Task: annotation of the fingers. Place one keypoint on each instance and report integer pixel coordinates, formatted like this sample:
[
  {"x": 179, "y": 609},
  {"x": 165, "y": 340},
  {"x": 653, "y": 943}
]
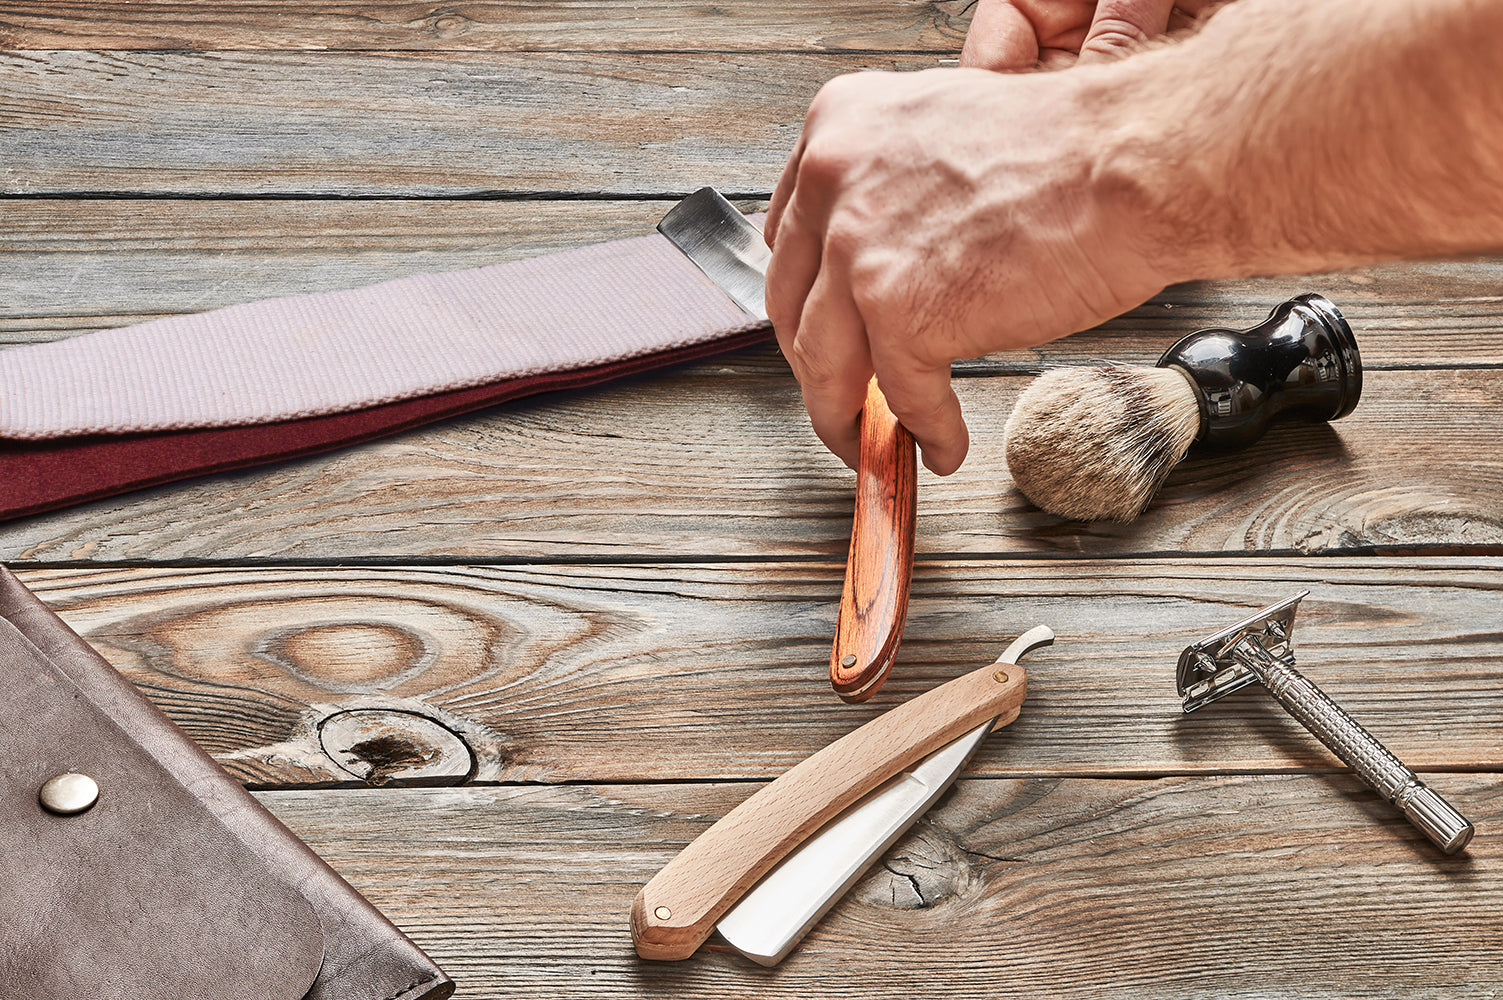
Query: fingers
[
  {"x": 824, "y": 337},
  {"x": 1000, "y": 38},
  {"x": 1024, "y": 34},
  {"x": 821, "y": 329},
  {"x": 832, "y": 361},
  {"x": 1122, "y": 27},
  {"x": 795, "y": 263},
  {"x": 832, "y": 356},
  {"x": 1199, "y": 9},
  {"x": 809, "y": 303},
  {"x": 781, "y": 194},
  {"x": 818, "y": 328},
  {"x": 1191, "y": 14},
  {"x": 921, "y": 397}
]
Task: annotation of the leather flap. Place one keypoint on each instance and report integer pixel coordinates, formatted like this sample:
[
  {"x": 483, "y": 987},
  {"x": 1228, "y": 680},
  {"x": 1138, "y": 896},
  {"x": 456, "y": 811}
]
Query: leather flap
[{"x": 147, "y": 894}]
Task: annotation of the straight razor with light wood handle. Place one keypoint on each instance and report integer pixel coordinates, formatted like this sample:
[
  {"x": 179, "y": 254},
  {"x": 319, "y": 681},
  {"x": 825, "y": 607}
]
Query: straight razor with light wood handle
[{"x": 680, "y": 907}]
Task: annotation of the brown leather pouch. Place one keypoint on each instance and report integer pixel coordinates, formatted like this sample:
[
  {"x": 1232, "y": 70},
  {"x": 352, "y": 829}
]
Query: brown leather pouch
[{"x": 176, "y": 884}]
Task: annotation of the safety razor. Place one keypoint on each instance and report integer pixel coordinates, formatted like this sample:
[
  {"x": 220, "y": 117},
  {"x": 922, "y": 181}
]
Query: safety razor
[{"x": 1260, "y": 649}]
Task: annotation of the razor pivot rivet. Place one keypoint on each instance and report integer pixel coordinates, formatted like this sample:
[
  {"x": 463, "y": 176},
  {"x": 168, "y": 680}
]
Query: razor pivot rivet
[
  {"x": 662, "y": 913},
  {"x": 1259, "y": 649},
  {"x": 1000, "y": 676}
]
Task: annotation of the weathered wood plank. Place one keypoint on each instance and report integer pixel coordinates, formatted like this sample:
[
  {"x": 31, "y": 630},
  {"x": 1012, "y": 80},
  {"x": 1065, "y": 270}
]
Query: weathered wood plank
[
  {"x": 74, "y": 265},
  {"x": 678, "y": 465},
  {"x": 494, "y": 25},
  {"x": 405, "y": 124},
  {"x": 662, "y": 672},
  {"x": 1070, "y": 865},
  {"x": 1272, "y": 888}
]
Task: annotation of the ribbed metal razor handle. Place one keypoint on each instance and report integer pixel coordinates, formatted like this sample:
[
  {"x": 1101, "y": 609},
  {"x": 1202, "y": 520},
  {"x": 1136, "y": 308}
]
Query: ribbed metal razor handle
[
  {"x": 1360, "y": 750},
  {"x": 1329, "y": 723}
]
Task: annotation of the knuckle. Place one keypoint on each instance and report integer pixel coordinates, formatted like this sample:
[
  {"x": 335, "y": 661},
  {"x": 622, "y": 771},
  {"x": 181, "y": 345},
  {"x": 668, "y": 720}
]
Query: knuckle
[
  {"x": 830, "y": 99},
  {"x": 843, "y": 243},
  {"x": 920, "y": 412},
  {"x": 879, "y": 283},
  {"x": 834, "y": 89},
  {"x": 826, "y": 162},
  {"x": 815, "y": 370},
  {"x": 1116, "y": 36}
]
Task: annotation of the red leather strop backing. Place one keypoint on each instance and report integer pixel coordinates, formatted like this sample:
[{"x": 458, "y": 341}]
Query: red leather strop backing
[{"x": 53, "y": 474}]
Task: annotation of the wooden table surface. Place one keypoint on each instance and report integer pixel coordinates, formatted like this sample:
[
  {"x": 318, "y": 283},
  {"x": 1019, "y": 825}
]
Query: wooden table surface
[{"x": 620, "y": 600}]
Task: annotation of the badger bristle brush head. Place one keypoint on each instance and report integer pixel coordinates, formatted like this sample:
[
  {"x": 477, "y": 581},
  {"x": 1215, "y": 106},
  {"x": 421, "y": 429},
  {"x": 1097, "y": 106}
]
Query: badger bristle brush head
[{"x": 1095, "y": 444}]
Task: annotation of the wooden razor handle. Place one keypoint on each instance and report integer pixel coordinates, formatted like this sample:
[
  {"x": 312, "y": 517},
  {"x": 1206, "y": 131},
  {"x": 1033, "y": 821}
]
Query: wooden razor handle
[
  {"x": 677, "y": 910},
  {"x": 874, "y": 600}
]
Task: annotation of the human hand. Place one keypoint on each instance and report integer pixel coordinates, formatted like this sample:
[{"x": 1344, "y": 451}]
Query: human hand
[
  {"x": 1054, "y": 34},
  {"x": 926, "y": 217}
]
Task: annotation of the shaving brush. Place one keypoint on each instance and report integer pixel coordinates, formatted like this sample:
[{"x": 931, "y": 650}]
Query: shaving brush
[{"x": 1096, "y": 443}]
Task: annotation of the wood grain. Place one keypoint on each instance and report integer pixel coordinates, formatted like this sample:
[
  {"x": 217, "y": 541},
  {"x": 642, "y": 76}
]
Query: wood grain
[
  {"x": 496, "y": 25},
  {"x": 679, "y": 466},
  {"x": 610, "y": 609},
  {"x": 411, "y": 125},
  {"x": 1174, "y": 889},
  {"x": 706, "y": 671},
  {"x": 879, "y": 562}
]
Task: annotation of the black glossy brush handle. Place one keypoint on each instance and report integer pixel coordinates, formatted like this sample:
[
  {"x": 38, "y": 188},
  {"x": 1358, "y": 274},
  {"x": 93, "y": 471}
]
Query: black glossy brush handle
[{"x": 1301, "y": 361}]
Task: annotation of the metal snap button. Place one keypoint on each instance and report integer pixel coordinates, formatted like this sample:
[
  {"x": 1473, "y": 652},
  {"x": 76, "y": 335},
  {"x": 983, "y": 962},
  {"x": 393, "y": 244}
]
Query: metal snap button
[{"x": 69, "y": 794}]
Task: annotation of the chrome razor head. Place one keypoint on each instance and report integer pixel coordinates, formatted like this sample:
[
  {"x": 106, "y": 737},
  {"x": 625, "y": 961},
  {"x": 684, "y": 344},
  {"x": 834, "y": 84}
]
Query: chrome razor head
[{"x": 1208, "y": 669}]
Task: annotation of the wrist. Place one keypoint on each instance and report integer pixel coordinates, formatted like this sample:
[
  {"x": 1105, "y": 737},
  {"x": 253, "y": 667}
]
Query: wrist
[
  {"x": 1160, "y": 185},
  {"x": 1287, "y": 137}
]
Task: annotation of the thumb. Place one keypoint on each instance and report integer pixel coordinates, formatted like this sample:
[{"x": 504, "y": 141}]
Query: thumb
[{"x": 1000, "y": 38}]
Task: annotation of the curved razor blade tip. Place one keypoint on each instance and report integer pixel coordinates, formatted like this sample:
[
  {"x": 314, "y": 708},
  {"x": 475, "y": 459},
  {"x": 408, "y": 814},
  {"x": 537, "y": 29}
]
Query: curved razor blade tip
[
  {"x": 1035, "y": 638},
  {"x": 724, "y": 245}
]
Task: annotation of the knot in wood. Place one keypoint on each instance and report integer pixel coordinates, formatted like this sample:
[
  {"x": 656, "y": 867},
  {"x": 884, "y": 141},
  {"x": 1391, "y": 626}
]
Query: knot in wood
[{"x": 389, "y": 747}]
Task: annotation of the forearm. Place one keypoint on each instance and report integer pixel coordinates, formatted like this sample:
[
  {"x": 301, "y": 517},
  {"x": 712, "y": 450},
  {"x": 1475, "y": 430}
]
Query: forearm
[
  {"x": 1290, "y": 136},
  {"x": 932, "y": 216}
]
